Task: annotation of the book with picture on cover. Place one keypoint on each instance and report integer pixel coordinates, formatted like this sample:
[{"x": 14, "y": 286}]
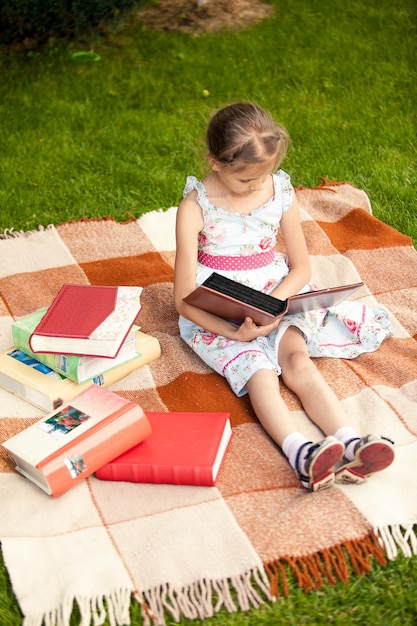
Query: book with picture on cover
[
  {"x": 70, "y": 444},
  {"x": 183, "y": 449},
  {"x": 83, "y": 368},
  {"x": 87, "y": 320},
  {"x": 234, "y": 301},
  {"x": 45, "y": 388}
]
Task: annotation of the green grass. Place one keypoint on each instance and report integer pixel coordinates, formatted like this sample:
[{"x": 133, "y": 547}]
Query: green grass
[{"x": 118, "y": 137}]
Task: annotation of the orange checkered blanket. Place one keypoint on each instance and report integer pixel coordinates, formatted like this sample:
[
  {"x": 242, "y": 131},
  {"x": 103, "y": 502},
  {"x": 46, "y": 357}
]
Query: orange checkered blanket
[{"x": 188, "y": 551}]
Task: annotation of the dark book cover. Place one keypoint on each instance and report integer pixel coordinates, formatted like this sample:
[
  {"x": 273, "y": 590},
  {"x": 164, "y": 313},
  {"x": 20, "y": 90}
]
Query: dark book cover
[{"x": 233, "y": 301}]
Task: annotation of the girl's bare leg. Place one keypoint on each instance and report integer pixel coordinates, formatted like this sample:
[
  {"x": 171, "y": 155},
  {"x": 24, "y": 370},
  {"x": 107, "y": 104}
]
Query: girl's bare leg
[
  {"x": 303, "y": 378},
  {"x": 313, "y": 463},
  {"x": 270, "y": 408},
  {"x": 371, "y": 454}
]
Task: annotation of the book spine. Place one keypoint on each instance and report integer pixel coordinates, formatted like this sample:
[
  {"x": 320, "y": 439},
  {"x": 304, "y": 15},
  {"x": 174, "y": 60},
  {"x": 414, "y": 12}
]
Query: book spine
[
  {"x": 49, "y": 394},
  {"x": 157, "y": 474},
  {"x": 84, "y": 457},
  {"x": 69, "y": 366},
  {"x": 21, "y": 333},
  {"x": 37, "y": 397},
  {"x": 35, "y": 386}
]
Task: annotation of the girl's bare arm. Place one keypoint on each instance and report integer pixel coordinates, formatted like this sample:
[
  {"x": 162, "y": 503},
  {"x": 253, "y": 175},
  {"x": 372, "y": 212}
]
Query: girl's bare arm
[
  {"x": 296, "y": 250},
  {"x": 189, "y": 223}
]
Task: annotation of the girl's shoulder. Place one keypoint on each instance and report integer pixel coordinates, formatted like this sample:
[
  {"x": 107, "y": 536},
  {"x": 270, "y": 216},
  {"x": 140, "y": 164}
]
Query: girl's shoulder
[
  {"x": 194, "y": 192},
  {"x": 193, "y": 184},
  {"x": 282, "y": 178},
  {"x": 197, "y": 190},
  {"x": 283, "y": 189},
  {"x": 189, "y": 212}
]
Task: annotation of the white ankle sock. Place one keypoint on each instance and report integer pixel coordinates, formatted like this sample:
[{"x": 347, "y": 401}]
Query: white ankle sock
[
  {"x": 290, "y": 446},
  {"x": 345, "y": 434}
]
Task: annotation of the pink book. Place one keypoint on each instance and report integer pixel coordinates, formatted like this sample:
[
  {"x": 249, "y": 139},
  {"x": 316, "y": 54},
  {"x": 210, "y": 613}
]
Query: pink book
[
  {"x": 70, "y": 444},
  {"x": 89, "y": 320}
]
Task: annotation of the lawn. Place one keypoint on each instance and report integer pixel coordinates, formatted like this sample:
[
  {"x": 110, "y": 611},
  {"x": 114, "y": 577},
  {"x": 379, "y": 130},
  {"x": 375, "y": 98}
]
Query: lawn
[{"x": 117, "y": 137}]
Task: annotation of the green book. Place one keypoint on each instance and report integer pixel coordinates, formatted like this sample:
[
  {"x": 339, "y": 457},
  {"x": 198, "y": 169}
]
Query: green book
[{"x": 77, "y": 368}]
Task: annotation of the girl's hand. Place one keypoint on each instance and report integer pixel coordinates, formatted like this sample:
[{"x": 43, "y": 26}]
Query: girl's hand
[{"x": 249, "y": 330}]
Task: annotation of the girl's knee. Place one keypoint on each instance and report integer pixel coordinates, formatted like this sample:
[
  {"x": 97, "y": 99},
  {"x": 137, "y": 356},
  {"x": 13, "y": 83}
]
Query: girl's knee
[
  {"x": 263, "y": 380},
  {"x": 298, "y": 366}
]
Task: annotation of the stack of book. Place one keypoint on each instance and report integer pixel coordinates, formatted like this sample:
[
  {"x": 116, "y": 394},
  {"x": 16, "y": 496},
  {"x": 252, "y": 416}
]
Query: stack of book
[
  {"x": 61, "y": 360},
  {"x": 87, "y": 336}
]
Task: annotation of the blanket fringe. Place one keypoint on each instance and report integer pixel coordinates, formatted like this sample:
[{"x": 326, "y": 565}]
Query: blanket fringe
[
  {"x": 326, "y": 185},
  {"x": 327, "y": 566},
  {"x": 204, "y": 598},
  {"x": 115, "y": 607},
  {"x": 398, "y": 537},
  {"x": 103, "y": 218},
  {"x": 200, "y": 600},
  {"x": 10, "y": 233}
]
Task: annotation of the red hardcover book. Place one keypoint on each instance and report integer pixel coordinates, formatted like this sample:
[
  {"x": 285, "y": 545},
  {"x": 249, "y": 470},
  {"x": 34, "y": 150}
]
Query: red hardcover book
[
  {"x": 66, "y": 446},
  {"x": 183, "y": 449},
  {"x": 87, "y": 320}
]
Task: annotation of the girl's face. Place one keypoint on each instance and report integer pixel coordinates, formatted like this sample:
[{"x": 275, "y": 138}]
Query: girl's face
[{"x": 241, "y": 178}]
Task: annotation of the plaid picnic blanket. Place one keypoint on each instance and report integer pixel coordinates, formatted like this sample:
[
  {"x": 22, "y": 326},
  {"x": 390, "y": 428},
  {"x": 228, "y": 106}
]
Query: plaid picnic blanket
[{"x": 188, "y": 551}]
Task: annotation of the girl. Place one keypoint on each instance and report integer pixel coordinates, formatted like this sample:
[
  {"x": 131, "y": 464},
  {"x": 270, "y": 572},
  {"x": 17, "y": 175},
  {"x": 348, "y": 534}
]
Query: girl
[{"x": 228, "y": 223}]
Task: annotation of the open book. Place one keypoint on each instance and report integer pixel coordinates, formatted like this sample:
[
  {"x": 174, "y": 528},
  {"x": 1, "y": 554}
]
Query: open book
[{"x": 233, "y": 301}]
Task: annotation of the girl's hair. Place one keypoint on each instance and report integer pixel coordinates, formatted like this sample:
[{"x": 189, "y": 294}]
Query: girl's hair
[{"x": 245, "y": 132}]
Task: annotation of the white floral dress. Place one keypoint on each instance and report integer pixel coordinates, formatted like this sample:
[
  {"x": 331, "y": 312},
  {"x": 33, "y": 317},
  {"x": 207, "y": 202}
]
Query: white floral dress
[{"x": 241, "y": 247}]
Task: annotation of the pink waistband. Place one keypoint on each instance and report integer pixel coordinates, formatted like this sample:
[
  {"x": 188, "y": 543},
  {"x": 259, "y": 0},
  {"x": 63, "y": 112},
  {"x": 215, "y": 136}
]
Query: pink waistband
[{"x": 236, "y": 263}]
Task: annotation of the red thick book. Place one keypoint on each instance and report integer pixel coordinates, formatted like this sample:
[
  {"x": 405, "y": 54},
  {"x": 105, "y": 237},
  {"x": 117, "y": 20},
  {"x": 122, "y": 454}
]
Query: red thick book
[
  {"x": 183, "y": 449},
  {"x": 70, "y": 444},
  {"x": 87, "y": 320}
]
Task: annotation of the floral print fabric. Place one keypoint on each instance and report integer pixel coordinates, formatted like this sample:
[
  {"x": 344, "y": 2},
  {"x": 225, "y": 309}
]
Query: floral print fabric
[{"x": 345, "y": 331}]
